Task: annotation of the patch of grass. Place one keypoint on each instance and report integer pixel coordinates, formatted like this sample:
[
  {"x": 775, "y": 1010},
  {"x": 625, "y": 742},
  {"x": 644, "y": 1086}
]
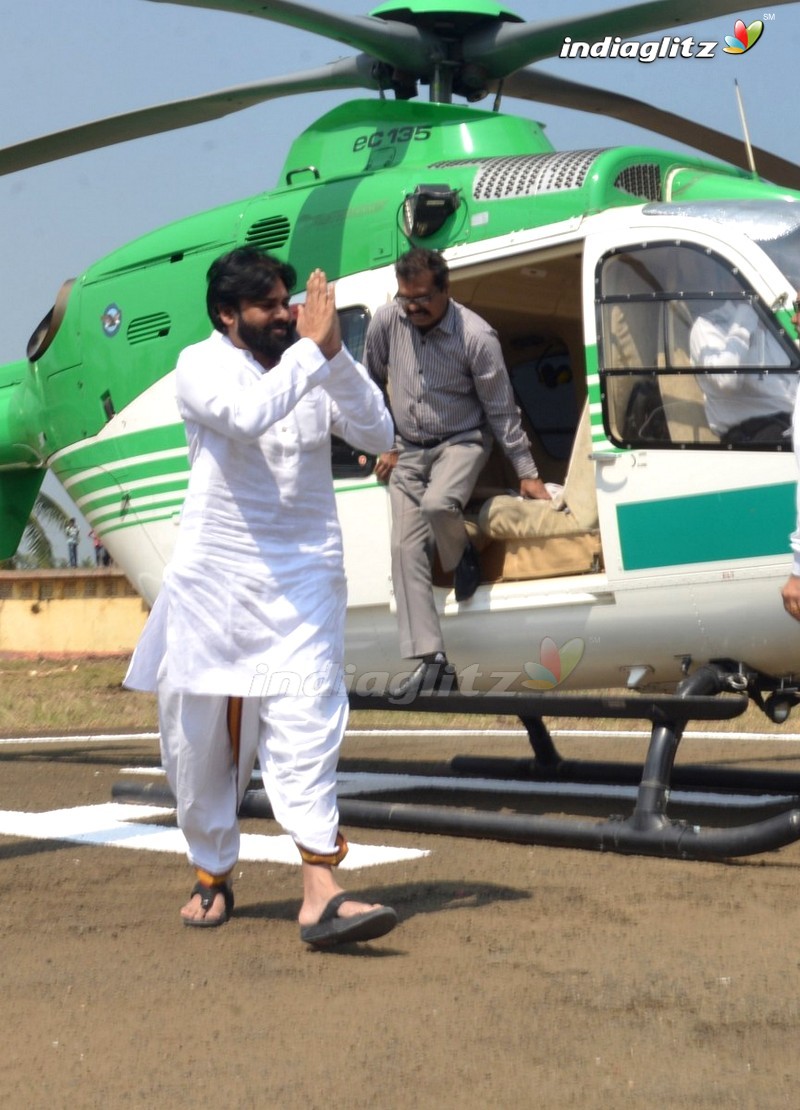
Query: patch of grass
[{"x": 47, "y": 697}]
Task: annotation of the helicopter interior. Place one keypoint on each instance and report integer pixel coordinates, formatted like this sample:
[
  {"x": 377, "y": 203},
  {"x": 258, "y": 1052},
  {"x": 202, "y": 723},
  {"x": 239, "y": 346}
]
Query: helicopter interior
[
  {"x": 654, "y": 385},
  {"x": 534, "y": 304}
]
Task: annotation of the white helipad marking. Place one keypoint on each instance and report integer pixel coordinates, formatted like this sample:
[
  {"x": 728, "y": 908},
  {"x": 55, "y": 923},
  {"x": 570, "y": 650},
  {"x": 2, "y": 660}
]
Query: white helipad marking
[
  {"x": 117, "y": 825},
  {"x": 432, "y": 734},
  {"x": 88, "y": 738},
  {"x": 608, "y": 733}
]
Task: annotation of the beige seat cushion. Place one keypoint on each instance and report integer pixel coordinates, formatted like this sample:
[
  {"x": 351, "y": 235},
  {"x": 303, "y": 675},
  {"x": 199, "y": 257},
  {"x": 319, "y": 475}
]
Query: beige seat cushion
[
  {"x": 554, "y": 557},
  {"x": 513, "y": 518}
]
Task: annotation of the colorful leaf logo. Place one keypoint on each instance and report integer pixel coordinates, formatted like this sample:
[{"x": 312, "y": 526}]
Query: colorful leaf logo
[
  {"x": 555, "y": 664},
  {"x": 743, "y": 38}
]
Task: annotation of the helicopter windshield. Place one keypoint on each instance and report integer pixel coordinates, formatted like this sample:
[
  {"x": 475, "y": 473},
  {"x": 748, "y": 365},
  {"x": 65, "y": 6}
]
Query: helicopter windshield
[{"x": 773, "y": 224}]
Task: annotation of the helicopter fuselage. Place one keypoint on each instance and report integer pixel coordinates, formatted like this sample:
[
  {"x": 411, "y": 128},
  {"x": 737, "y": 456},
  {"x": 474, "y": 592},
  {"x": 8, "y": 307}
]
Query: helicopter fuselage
[{"x": 674, "y": 548}]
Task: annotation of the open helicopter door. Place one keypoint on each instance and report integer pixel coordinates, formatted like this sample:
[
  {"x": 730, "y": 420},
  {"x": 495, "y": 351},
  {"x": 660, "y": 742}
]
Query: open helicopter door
[{"x": 695, "y": 484}]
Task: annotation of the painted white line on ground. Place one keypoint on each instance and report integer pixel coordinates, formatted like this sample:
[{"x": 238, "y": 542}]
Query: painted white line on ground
[
  {"x": 611, "y": 734},
  {"x": 781, "y": 738},
  {"x": 89, "y": 738},
  {"x": 432, "y": 733},
  {"x": 117, "y": 825}
]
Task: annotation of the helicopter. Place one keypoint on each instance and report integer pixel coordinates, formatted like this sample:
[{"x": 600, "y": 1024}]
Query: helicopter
[{"x": 662, "y": 562}]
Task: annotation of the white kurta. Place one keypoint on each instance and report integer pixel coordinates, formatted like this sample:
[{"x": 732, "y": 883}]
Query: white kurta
[
  {"x": 256, "y": 584},
  {"x": 730, "y": 337}
]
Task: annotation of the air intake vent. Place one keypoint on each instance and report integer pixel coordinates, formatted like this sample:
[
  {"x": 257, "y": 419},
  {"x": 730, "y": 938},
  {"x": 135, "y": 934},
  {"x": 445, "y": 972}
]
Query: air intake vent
[
  {"x": 528, "y": 175},
  {"x": 270, "y": 233},
  {"x": 145, "y": 328},
  {"x": 641, "y": 181}
]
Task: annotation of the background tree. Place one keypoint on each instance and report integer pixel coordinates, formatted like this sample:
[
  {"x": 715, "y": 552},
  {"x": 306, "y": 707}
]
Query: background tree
[{"x": 48, "y": 519}]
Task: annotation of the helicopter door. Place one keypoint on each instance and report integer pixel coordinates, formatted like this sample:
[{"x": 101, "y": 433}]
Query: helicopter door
[{"x": 691, "y": 428}]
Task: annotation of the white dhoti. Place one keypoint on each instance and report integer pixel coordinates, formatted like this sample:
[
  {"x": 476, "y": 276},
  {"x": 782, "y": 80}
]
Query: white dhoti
[{"x": 297, "y": 742}]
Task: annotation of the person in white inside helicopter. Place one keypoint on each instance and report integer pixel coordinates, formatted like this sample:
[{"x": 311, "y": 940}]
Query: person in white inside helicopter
[{"x": 742, "y": 407}]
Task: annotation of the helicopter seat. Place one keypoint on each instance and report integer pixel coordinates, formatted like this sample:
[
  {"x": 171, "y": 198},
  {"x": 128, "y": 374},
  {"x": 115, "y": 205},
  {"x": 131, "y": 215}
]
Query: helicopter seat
[
  {"x": 683, "y": 400},
  {"x": 685, "y": 410},
  {"x": 542, "y": 539}
]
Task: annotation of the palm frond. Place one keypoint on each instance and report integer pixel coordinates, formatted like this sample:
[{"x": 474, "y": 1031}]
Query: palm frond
[{"x": 38, "y": 543}]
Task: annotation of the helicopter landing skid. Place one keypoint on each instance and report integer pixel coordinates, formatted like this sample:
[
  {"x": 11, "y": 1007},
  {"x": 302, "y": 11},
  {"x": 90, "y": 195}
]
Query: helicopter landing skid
[{"x": 648, "y": 830}]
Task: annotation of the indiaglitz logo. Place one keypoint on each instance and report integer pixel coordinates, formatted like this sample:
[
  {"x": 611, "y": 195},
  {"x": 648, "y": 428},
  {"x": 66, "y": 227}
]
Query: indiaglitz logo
[
  {"x": 669, "y": 46},
  {"x": 555, "y": 664},
  {"x": 743, "y": 38}
]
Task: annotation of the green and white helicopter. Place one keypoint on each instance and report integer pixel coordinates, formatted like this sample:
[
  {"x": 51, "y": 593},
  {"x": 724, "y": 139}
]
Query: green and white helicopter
[{"x": 663, "y": 573}]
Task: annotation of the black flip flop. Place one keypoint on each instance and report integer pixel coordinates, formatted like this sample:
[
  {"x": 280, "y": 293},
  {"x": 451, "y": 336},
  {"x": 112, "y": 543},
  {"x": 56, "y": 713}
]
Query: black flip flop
[
  {"x": 207, "y": 895},
  {"x": 332, "y": 929}
]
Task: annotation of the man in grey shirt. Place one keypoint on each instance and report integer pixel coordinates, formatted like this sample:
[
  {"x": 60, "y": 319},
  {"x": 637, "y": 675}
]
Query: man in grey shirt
[{"x": 442, "y": 368}]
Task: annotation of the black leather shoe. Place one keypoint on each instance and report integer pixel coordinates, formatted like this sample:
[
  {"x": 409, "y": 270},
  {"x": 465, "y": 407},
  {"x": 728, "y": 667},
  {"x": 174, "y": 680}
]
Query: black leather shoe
[
  {"x": 467, "y": 575},
  {"x": 428, "y": 678}
]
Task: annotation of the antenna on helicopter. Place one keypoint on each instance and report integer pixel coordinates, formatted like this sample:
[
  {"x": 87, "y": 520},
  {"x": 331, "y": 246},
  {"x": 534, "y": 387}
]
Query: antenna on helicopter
[{"x": 747, "y": 144}]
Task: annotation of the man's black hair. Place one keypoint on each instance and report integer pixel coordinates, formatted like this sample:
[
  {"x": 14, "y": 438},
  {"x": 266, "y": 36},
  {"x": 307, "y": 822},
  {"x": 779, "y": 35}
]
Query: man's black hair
[
  {"x": 244, "y": 274},
  {"x": 418, "y": 261}
]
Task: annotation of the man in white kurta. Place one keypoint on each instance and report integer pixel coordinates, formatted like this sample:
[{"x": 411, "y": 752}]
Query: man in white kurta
[
  {"x": 742, "y": 407},
  {"x": 253, "y": 602}
]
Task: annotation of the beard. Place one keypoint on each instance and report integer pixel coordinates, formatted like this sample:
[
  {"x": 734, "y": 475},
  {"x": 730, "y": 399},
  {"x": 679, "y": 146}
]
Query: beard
[{"x": 271, "y": 341}]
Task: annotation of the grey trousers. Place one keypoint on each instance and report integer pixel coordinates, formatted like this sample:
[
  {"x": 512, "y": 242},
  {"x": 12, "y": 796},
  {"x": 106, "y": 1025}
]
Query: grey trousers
[{"x": 428, "y": 491}]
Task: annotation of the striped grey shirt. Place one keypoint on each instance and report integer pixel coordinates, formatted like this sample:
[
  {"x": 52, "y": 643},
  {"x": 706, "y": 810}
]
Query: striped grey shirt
[{"x": 448, "y": 380}]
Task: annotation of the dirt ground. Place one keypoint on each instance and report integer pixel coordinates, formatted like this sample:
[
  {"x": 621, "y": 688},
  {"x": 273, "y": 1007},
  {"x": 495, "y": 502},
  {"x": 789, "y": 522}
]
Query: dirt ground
[{"x": 519, "y": 975}]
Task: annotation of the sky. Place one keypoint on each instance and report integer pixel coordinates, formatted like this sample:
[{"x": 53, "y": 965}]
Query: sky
[{"x": 64, "y": 64}]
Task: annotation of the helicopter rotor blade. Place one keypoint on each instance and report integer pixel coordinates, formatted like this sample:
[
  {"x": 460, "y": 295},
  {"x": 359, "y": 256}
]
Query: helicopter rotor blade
[
  {"x": 543, "y": 87},
  {"x": 398, "y": 44},
  {"x": 348, "y": 73},
  {"x": 506, "y": 47}
]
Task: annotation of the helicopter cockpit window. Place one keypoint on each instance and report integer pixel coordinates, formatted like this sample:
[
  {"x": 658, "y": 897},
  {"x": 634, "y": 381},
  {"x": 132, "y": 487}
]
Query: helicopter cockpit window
[
  {"x": 689, "y": 356},
  {"x": 346, "y": 461}
]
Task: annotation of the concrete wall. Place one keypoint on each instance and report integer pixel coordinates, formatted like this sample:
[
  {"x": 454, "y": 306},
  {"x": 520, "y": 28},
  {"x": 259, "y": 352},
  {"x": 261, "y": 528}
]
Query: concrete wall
[{"x": 69, "y": 612}]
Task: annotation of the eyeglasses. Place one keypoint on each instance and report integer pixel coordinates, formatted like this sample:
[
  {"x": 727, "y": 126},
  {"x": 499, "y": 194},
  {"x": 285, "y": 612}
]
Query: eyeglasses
[{"x": 423, "y": 298}]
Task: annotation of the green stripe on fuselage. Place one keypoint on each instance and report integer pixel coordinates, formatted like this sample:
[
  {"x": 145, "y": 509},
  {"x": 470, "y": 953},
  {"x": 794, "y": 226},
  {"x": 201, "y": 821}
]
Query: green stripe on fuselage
[
  {"x": 709, "y": 527},
  {"x": 119, "y": 448}
]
